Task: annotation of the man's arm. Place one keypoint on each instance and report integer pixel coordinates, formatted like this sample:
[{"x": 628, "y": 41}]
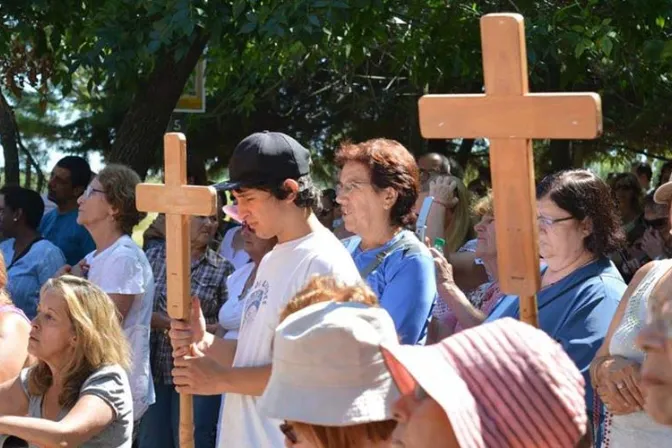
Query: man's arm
[
  {"x": 220, "y": 350},
  {"x": 246, "y": 380},
  {"x": 202, "y": 375}
]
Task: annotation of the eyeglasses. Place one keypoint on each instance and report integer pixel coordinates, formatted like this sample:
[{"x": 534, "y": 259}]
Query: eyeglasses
[
  {"x": 547, "y": 222},
  {"x": 349, "y": 187},
  {"x": 288, "y": 431},
  {"x": 90, "y": 190}
]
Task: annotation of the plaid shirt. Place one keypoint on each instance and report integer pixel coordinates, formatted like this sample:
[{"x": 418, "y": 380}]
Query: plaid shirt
[{"x": 208, "y": 283}]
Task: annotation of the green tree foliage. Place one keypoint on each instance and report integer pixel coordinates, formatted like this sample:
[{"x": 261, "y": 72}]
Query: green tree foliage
[{"x": 331, "y": 70}]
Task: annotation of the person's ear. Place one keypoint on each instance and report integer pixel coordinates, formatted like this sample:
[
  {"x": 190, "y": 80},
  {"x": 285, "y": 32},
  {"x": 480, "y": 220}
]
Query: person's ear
[
  {"x": 587, "y": 227},
  {"x": 390, "y": 196},
  {"x": 292, "y": 186}
]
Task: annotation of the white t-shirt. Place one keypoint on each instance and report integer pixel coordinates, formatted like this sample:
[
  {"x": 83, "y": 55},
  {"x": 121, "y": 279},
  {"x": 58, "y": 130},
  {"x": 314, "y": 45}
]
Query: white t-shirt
[
  {"x": 231, "y": 312},
  {"x": 281, "y": 274},
  {"x": 123, "y": 268}
]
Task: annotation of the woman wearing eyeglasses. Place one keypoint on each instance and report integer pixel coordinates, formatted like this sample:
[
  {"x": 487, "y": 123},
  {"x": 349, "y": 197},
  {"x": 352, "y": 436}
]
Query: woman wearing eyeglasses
[
  {"x": 580, "y": 286},
  {"x": 120, "y": 268},
  {"x": 377, "y": 190},
  {"x": 31, "y": 260},
  {"x": 617, "y": 370}
]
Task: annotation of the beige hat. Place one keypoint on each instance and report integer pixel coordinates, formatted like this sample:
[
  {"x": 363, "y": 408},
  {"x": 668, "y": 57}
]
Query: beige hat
[
  {"x": 663, "y": 194},
  {"x": 328, "y": 369}
]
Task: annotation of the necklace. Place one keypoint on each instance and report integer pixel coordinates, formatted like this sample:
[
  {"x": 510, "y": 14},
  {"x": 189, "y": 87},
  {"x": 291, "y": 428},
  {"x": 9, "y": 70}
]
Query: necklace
[{"x": 543, "y": 286}]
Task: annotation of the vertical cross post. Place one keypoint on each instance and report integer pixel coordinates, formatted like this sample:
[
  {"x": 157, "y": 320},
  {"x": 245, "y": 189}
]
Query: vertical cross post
[{"x": 179, "y": 202}]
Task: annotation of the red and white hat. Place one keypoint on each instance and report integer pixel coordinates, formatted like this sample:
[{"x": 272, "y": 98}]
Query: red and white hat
[{"x": 503, "y": 383}]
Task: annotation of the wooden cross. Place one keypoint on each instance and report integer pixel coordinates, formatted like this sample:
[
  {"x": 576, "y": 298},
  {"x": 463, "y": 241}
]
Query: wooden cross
[
  {"x": 178, "y": 201},
  {"x": 509, "y": 116}
]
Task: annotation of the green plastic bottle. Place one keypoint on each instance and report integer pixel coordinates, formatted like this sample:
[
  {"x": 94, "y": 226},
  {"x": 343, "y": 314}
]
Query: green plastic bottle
[{"x": 439, "y": 244}]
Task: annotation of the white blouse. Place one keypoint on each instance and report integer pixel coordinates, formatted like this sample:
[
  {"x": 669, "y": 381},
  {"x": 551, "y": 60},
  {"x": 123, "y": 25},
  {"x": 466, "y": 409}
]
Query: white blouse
[
  {"x": 231, "y": 312},
  {"x": 238, "y": 258}
]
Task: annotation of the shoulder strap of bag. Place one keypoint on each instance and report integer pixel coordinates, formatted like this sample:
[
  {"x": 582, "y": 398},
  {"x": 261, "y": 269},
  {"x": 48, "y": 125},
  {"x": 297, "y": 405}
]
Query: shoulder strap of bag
[{"x": 406, "y": 241}]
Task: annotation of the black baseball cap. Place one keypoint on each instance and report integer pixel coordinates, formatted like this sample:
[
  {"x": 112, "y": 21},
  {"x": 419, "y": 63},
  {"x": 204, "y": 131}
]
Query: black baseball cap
[{"x": 266, "y": 158}]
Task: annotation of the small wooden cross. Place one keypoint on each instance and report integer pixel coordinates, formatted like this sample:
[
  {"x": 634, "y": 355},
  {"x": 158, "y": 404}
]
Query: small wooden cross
[
  {"x": 178, "y": 201},
  {"x": 509, "y": 116}
]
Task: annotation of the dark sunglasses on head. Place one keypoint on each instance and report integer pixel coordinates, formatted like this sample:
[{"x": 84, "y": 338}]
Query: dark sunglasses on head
[
  {"x": 288, "y": 431},
  {"x": 657, "y": 223}
]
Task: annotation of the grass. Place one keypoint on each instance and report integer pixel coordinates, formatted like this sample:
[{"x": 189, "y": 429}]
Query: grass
[{"x": 141, "y": 227}]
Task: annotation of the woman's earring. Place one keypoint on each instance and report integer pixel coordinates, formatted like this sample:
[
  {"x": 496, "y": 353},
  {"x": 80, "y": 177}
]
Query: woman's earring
[{"x": 16, "y": 219}]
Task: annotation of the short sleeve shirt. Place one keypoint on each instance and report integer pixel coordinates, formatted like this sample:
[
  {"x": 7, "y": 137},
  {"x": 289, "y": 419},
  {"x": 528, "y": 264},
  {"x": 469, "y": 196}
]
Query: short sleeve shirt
[
  {"x": 123, "y": 268},
  {"x": 110, "y": 384}
]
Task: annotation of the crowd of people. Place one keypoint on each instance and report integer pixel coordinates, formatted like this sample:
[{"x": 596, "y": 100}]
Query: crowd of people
[{"x": 320, "y": 318}]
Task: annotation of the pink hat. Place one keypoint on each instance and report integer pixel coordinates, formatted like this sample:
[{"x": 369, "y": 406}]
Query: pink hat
[
  {"x": 232, "y": 212},
  {"x": 503, "y": 383}
]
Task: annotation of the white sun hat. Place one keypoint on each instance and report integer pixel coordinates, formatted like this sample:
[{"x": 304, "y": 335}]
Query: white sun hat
[{"x": 328, "y": 369}]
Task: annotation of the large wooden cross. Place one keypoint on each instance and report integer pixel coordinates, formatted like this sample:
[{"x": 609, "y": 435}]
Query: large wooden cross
[
  {"x": 509, "y": 116},
  {"x": 179, "y": 202}
]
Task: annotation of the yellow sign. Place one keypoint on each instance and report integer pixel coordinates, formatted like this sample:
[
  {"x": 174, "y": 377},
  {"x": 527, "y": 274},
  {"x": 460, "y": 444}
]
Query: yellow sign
[{"x": 193, "y": 97}]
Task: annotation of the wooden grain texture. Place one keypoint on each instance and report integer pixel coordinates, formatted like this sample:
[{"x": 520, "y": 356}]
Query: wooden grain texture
[
  {"x": 186, "y": 200},
  {"x": 178, "y": 201},
  {"x": 512, "y": 168},
  {"x": 535, "y": 115}
]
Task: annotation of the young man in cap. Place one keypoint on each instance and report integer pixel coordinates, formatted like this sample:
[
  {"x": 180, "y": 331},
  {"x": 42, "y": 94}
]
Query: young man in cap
[{"x": 270, "y": 178}]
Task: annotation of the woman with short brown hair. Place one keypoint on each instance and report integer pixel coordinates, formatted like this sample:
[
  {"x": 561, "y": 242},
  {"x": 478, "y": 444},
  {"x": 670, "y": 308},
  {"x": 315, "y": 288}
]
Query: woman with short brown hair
[{"x": 377, "y": 190}]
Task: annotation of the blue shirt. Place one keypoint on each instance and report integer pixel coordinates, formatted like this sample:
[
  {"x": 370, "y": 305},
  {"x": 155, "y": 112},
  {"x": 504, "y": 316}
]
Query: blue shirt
[
  {"x": 27, "y": 275},
  {"x": 62, "y": 230},
  {"x": 404, "y": 283},
  {"x": 576, "y": 312}
]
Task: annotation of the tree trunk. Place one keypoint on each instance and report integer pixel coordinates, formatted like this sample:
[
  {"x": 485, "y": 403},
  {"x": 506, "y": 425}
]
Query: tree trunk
[
  {"x": 28, "y": 173},
  {"x": 8, "y": 138},
  {"x": 141, "y": 132}
]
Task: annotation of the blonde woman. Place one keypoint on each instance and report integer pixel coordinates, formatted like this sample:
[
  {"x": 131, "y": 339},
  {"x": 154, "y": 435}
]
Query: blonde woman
[
  {"x": 78, "y": 393},
  {"x": 14, "y": 332},
  {"x": 121, "y": 269},
  {"x": 336, "y": 398}
]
